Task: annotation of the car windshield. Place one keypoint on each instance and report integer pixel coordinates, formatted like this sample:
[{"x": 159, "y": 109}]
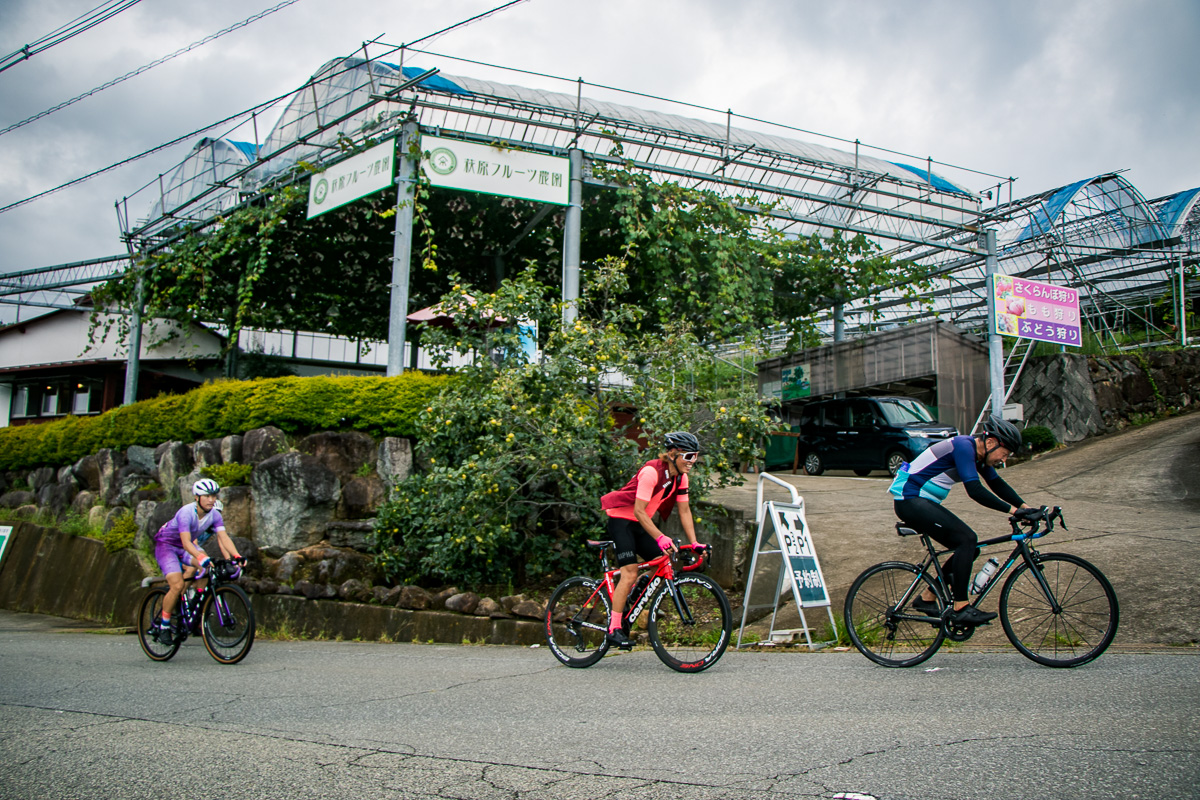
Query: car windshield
[{"x": 906, "y": 412}]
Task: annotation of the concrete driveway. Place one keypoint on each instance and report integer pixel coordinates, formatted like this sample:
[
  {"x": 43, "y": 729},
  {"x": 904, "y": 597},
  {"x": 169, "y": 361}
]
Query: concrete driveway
[{"x": 1131, "y": 500}]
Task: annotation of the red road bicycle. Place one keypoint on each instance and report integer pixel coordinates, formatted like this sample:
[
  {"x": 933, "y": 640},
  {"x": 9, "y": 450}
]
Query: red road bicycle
[{"x": 688, "y": 620}]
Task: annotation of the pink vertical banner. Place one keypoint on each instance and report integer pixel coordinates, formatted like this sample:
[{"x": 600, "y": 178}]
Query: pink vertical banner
[{"x": 1035, "y": 310}]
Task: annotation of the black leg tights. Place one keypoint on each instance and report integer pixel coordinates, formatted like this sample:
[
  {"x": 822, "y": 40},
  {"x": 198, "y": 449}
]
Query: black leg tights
[{"x": 926, "y": 516}]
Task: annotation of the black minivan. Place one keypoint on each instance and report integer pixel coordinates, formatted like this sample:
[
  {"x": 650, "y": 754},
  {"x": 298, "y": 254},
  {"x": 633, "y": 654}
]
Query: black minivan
[{"x": 866, "y": 433}]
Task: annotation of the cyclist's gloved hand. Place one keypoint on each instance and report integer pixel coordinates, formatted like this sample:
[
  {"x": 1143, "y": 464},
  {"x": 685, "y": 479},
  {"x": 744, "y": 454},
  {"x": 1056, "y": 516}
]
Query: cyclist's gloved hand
[
  {"x": 204, "y": 562},
  {"x": 1028, "y": 513},
  {"x": 665, "y": 544}
]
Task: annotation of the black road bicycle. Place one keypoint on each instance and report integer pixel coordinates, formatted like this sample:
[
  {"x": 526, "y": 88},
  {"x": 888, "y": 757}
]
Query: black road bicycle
[
  {"x": 1056, "y": 609},
  {"x": 220, "y": 612}
]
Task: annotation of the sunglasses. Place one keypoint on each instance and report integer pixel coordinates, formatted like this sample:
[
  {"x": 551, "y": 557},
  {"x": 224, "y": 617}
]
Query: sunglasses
[{"x": 689, "y": 457}]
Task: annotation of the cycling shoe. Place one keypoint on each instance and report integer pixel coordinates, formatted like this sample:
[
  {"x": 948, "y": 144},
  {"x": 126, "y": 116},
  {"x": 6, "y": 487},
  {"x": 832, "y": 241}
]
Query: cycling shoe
[
  {"x": 927, "y": 607},
  {"x": 619, "y": 638},
  {"x": 971, "y": 616}
]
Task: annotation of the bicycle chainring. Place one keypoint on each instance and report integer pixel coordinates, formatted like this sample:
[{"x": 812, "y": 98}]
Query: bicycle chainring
[{"x": 956, "y": 632}]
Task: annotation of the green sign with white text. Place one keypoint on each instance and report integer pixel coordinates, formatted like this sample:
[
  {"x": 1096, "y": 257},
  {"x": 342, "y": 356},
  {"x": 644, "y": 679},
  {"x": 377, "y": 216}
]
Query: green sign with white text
[{"x": 452, "y": 164}]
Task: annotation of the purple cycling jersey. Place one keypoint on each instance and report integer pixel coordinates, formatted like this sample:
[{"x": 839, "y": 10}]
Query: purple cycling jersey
[{"x": 189, "y": 519}]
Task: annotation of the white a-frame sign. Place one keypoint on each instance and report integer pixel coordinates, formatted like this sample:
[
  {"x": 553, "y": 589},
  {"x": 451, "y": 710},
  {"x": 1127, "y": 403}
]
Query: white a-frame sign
[{"x": 783, "y": 532}]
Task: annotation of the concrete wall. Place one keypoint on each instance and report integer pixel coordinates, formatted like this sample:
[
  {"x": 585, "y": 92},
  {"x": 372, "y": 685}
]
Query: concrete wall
[{"x": 47, "y": 572}]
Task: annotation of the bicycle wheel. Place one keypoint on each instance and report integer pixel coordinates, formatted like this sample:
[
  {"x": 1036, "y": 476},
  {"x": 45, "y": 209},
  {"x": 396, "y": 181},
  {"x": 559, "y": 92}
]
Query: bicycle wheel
[
  {"x": 1082, "y": 628},
  {"x": 577, "y": 622},
  {"x": 149, "y": 613},
  {"x": 693, "y": 640},
  {"x": 875, "y": 620},
  {"x": 227, "y": 621}
]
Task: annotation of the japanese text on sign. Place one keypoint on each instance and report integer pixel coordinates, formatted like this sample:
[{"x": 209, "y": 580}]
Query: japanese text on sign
[
  {"x": 1035, "y": 310},
  {"x": 452, "y": 164},
  {"x": 357, "y": 176},
  {"x": 798, "y": 552}
]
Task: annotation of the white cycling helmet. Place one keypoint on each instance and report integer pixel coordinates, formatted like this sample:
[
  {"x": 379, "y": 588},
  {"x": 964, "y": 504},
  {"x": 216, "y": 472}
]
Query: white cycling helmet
[{"x": 205, "y": 486}]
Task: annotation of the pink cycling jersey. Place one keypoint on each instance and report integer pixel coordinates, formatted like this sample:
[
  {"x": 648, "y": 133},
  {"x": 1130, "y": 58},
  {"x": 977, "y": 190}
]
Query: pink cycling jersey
[{"x": 654, "y": 484}]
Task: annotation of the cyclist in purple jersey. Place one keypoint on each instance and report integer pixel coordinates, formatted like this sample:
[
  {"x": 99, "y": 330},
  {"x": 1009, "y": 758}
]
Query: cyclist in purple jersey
[
  {"x": 177, "y": 547},
  {"x": 920, "y": 487}
]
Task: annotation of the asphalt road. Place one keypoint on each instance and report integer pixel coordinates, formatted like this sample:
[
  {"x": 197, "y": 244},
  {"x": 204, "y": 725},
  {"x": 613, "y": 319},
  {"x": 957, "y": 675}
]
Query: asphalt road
[{"x": 89, "y": 716}]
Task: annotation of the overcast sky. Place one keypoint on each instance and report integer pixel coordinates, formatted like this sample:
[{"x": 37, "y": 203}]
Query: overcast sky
[{"x": 1048, "y": 92}]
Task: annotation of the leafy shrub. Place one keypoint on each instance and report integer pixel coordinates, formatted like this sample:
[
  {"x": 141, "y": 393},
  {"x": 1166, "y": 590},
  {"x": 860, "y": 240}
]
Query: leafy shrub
[
  {"x": 230, "y": 474},
  {"x": 515, "y": 456},
  {"x": 1039, "y": 437},
  {"x": 378, "y": 406},
  {"x": 76, "y": 524},
  {"x": 121, "y": 534}
]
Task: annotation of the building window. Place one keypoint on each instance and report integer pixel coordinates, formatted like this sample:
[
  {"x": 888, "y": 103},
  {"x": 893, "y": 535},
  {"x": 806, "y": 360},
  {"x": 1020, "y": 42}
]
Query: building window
[
  {"x": 50, "y": 401},
  {"x": 81, "y": 402},
  {"x": 22, "y": 402},
  {"x": 86, "y": 399}
]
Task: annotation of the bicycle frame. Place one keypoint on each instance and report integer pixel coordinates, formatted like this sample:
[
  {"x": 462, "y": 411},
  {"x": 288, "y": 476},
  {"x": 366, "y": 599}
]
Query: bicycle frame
[
  {"x": 1022, "y": 550},
  {"x": 189, "y": 609},
  {"x": 661, "y": 571}
]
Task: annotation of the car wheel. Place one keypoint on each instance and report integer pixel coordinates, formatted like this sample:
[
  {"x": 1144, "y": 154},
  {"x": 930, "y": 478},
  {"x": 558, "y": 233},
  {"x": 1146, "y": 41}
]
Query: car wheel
[
  {"x": 895, "y": 461},
  {"x": 862, "y": 473},
  {"x": 813, "y": 465}
]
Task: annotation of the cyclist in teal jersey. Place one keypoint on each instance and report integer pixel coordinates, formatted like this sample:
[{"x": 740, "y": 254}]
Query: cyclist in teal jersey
[{"x": 920, "y": 487}]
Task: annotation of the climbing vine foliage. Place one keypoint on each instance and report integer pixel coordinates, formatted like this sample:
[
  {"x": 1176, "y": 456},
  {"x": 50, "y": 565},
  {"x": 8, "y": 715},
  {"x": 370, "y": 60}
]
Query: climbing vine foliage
[{"x": 514, "y": 457}]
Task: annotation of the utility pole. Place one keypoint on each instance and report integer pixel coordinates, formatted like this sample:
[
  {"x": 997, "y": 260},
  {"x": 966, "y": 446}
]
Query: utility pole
[
  {"x": 995, "y": 341},
  {"x": 402, "y": 249},
  {"x": 571, "y": 237}
]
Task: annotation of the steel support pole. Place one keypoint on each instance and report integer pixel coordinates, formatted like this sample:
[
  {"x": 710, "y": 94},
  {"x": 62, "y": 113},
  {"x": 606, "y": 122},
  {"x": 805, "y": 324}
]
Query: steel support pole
[
  {"x": 995, "y": 342},
  {"x": 1182, "y": 306},
  {"x": 134, "y": 363},
  {"x": 401, "y": 250},
  {"x": 571, "y": 237}
]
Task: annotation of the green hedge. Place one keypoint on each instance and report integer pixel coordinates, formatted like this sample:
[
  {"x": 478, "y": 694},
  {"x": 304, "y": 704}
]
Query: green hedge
[{"x": 378, "y": 406}]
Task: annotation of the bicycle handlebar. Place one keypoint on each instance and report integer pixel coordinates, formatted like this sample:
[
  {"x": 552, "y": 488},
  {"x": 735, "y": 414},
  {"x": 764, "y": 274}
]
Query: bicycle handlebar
[
  {"x": 699, "y": 552},
  {"x": 1038, "y": 523}
]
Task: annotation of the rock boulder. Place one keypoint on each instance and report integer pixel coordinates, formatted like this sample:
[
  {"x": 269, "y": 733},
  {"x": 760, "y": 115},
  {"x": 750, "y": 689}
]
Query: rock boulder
[
  {"x": 393, "y": 461},
  {"x": 295, "y": 495},
  {"x": 175, "y": 460},
  {"x": 87, "y": 471},
  {"x": 344, "y": 453},
  {"x": 262, "y": 443}
]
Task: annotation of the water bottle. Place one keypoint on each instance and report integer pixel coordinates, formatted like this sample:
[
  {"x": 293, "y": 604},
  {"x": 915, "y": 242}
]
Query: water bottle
[
  {"x": 984, "y": 575},
  {"x": 638, "y": 588}
]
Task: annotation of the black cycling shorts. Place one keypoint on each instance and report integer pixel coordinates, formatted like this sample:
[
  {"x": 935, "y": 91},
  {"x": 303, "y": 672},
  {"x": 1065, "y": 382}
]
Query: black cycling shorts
[{"x": 632, "y": 541}]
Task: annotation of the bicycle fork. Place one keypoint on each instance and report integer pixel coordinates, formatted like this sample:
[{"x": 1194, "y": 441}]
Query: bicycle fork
[
  {"x": 685, "y": 613},
  {"x": 1035, "y": 567}
]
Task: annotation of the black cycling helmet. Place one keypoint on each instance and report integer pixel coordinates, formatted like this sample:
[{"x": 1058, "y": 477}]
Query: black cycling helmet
[
  {"x": 682, "y": 440},
  {"x": 1003, "y": 430}
]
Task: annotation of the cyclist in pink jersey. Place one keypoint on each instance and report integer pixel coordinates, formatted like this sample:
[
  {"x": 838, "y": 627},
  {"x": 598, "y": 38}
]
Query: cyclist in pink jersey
[
  {"x": 658, "y": 486},
  {"x": 177, "y": 547}
]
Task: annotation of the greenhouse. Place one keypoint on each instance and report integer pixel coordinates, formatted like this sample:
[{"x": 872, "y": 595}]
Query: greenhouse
[{"x": 1128, "y": 257}]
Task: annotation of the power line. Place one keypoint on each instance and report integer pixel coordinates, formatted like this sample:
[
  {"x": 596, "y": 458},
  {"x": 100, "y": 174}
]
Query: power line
[
  {"x": 81, "y": 24},
  {"x": 230, "y": 118},
  {"x": 149, "y": 66},
  {"x": 139, "y": 156}
]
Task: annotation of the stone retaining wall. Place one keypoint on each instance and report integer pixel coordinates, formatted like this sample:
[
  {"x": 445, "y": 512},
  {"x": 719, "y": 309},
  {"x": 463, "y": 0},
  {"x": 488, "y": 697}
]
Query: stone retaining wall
[{"x": 1077, "y": 396}]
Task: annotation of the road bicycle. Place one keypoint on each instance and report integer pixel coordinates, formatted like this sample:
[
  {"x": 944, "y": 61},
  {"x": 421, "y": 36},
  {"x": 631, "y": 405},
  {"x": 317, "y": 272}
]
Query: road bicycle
[
  {"x": 1057, "y": 609},
  {"x": 688, "y": 620},
  {"x": 220, "y": 612}
]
